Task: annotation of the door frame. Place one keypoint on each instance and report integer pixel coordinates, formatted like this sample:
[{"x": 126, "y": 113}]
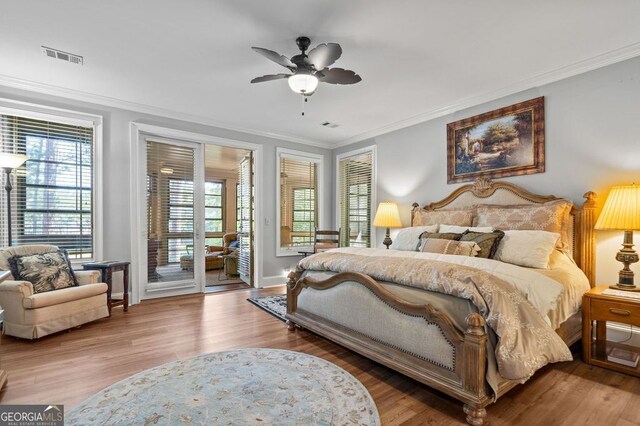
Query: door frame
[{"x": 139, "y": 132}]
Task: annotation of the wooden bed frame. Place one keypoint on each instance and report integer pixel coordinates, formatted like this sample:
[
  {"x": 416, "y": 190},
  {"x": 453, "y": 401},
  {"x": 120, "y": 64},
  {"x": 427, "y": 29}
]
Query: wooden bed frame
[{"x": 466, "y": 381}]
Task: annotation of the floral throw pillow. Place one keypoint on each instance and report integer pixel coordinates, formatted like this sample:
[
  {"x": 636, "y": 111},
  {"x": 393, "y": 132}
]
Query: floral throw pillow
[{"x": 46, "y": 271}]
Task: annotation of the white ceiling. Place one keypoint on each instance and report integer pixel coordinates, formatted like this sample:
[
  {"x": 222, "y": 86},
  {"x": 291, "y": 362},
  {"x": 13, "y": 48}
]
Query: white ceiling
[{"x": 418, "y": 59}]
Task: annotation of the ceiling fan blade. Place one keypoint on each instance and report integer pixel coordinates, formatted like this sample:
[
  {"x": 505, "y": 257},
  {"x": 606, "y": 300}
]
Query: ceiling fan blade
[
  {"x": 276, "y": 57},
  {"x": 270, "y": 77},
  {"x": 324, "y": 55},
  {"x": 338, "y": 76}
]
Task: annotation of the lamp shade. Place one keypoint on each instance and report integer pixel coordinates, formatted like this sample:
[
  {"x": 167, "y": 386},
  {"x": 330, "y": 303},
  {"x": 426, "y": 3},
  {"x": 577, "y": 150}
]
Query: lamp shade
[
  {"x": 303, "y": 83},
  {"x": 11, "y": 161},
  {"x": 621, "y": 211},
  {"x": 387, "y": 216}
]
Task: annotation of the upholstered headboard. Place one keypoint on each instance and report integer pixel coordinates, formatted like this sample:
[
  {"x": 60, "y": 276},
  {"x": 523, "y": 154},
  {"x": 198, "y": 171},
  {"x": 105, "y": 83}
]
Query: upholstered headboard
[{"x": 485, "y": 191}]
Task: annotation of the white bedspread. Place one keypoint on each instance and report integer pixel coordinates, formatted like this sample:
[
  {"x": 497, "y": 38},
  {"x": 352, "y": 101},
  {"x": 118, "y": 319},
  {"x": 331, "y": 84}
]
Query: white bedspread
[{"x": 545, "y": 290}]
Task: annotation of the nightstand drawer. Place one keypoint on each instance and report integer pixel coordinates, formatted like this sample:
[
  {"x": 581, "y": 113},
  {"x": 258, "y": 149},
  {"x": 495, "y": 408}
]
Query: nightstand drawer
[{"x": 607, "y": 310}]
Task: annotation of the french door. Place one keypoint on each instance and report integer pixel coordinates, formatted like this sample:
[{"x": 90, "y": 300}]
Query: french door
[
  {"x": 174, "y": 218},
  {"x": 245, "y": 199}
]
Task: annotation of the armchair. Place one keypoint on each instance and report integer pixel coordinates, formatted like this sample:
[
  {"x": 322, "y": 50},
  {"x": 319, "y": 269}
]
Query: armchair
[
  {"x": 213, "y": 254},
  {"x": 32, "y": 316}
]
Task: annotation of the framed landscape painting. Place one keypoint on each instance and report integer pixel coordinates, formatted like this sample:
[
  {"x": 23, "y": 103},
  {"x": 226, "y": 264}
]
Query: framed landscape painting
[{"x": 505, "y": 142}]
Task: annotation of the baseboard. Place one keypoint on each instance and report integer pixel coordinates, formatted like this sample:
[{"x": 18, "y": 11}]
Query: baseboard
[
  {"x": 623, "y": 333},
  {"x": 273, "y": 281},
  {"x": 118, "y": 295}
]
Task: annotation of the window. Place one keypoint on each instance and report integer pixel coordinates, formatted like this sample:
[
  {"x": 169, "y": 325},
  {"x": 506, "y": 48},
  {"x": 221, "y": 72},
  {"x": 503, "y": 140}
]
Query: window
[
  {"x": 213, "y": 212},
  {"x": 355, "y": 197},
  {"x": 298, "y": 198},
  {"x": 304, "y": 217},
  {"x": 53, "y": 192},
  {"x": 180, "y": 219},
  {"x": 181, "y": 216}
]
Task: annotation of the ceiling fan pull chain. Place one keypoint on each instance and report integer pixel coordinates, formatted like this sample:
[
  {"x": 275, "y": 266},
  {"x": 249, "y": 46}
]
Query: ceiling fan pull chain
[{"x": 303, "y": 101}]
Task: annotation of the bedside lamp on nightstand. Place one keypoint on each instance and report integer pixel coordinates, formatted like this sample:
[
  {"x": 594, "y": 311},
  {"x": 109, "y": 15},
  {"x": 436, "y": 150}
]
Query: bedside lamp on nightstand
[
  {"x": 621, "y": 212},
  {"x": 387, "y": 216}
]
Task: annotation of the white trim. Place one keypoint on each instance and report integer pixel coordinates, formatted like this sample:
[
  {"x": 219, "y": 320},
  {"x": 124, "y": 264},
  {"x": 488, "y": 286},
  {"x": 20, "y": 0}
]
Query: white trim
[
  {"x": 76, "y": 118},
  {"x": 138, "y": 231},
  {"x": 273, "y": 281},
  {"x": 101, "y": 100},
  {"x": 623, "y": 333},
  {"x": 374, "y": 185},
  {"x": 318, "y": 159},
  {"x": 603, "y": 60}
]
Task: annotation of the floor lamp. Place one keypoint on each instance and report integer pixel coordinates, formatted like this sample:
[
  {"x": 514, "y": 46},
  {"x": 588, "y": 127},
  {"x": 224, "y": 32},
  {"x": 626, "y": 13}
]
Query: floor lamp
[{"x": 9, "y": 162}]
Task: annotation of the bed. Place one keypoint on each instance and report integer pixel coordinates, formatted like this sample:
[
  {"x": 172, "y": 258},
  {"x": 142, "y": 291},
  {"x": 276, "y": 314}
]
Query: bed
[{"x": 448, "y": 321}]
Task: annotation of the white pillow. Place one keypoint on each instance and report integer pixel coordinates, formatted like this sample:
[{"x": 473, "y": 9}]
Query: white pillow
[
  {"x": 460, "y": 229},
  {"x": 527, "y": 248},
  {"x": 408, "y": 238}
]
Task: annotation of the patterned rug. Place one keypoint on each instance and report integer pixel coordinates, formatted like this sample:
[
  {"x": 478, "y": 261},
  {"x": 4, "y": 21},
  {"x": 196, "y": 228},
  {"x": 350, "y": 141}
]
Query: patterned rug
[
  {"x": 240, "y": 387},
  {"x": 275, "y": 305}
]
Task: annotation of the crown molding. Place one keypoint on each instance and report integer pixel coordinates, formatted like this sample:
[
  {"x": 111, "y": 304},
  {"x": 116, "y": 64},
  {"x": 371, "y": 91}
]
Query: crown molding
[
  {"x": 101, "y": 100},
  {"x": 586, "y": 65},
  {"x": 580, "y": 67}
]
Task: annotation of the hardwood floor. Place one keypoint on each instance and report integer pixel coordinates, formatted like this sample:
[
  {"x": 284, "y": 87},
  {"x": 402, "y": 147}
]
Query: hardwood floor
[{"x": 70, "y": 366}]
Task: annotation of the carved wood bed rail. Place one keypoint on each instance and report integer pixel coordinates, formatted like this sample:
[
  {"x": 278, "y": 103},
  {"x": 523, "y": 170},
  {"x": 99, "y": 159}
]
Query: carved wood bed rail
[{"x": 466, "y": 381}]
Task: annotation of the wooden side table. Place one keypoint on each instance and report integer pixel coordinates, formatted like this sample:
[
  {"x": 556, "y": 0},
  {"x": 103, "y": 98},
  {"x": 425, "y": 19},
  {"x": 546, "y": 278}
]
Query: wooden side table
[
  {"x": 601, "y": 308},
  {"x": 107, "y": 269}
]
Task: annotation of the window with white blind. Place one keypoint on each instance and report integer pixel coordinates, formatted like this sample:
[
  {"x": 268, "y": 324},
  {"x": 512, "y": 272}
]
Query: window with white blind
[
  {"x": 53, "y": 195},
  {"x": 355, "y": 189},
  {"x": 299, "y": 181}
]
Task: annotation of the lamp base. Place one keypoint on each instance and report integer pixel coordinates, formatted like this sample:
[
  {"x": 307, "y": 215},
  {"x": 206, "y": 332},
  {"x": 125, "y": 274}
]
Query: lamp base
[
  {"x": 624, "y": 287},
  {"x": 387, "y": 240}
]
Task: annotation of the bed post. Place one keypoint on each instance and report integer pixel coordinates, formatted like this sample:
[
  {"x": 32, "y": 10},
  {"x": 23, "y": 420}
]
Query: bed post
[
  {"x": 414, "y": 208},
  {"x": 292, "y": 298},
  {"x": 474, "y": 367},
  {"x": 587, "y": 243}
]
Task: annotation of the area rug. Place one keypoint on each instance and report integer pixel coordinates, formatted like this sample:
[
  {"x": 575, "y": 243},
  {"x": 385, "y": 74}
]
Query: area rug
[
  {"x": 240, "y": 387},
  {"x": 275, "y": 305}
]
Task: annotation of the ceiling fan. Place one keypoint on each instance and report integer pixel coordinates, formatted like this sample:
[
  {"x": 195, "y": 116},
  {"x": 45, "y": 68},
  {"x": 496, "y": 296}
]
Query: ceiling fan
[{"x": 309, "y": 69}]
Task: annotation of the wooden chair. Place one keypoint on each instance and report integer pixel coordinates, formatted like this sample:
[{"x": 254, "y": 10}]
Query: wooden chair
[{"x": 326, "y": 240}]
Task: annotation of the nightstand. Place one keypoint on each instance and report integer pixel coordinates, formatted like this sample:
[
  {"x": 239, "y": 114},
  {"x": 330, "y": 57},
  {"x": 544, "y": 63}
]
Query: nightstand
[{"x": 601, "y": 308}]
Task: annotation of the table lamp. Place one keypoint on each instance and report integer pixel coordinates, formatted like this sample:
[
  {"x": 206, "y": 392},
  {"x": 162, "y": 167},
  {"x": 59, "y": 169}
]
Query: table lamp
[
  {"x": 387, "y": 216},
  {"x": 621, "y": 212},
  {"x": 9, "y": 162}
]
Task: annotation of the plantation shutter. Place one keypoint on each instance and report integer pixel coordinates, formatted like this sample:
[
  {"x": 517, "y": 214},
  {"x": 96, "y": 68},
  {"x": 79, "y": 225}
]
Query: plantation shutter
[
  {"x": 52, "y": 196},
  {"x": 170, "y": 204},
  {"x": 245, "y": 218},
  {"x": 355, "y": 177},
  {"x": 298, "y": 202}
]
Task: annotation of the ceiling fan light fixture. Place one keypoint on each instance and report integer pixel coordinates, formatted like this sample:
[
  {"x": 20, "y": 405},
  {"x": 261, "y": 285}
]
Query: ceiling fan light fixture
[{"x": 303, "y": 84}]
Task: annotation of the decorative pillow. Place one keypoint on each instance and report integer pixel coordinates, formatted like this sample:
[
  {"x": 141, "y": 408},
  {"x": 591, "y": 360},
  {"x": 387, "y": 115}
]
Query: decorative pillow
[
  {"x": 462, "y": 229},
  {"x": 461, "y": 248},
  {"x": 488, "y": 241},
  {"x": 46, "y": 271},
  {"x": 452, "y": 217},
  {"x": 553, "y": 216},
  {"x": 527, "y": 248},
  {"x": 407, "y": 238},
  {"x": 438, "y": 236}
]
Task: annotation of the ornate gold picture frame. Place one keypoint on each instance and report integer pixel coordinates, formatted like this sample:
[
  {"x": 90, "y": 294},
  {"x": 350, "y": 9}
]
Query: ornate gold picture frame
[{"x": 505, "y": 142}]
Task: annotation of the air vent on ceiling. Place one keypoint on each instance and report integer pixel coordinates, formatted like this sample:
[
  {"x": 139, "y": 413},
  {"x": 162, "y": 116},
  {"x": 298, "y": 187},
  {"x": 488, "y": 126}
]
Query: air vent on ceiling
[
  {"x": 331, "y": 125},
  {"x": 65, "y": 56}
]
